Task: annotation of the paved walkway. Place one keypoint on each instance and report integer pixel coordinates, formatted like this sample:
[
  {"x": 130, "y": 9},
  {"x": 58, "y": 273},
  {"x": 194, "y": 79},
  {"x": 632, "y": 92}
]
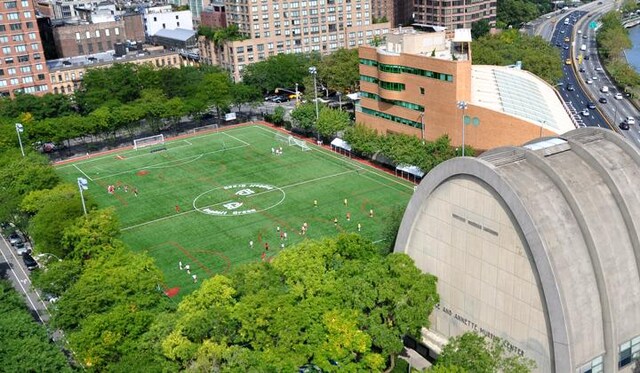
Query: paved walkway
[{"x": 12, "y": 268}]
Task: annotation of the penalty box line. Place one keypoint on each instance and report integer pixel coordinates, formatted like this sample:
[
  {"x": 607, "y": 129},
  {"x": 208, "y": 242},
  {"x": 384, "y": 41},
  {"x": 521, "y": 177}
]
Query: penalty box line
[
  {"x": 168, "y": 163},
  {"x": 220, "y": 203}
]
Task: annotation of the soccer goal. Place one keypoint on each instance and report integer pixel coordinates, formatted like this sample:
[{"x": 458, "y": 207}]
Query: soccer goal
[
  {"x": 299, "y": 143},
  {"x": 148, "y": 141},
  {"x": 208, "y": 128}
]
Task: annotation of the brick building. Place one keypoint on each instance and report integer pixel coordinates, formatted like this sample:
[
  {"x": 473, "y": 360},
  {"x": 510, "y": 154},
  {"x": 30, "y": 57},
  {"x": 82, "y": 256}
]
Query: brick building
[
  {"x": 416, "y": 84},
  {"x": 214, "y": 15},
  {"x": 81, "y": 39},
  {"x": 22, "y": 65},
  {"x": 454, "y": 14}
]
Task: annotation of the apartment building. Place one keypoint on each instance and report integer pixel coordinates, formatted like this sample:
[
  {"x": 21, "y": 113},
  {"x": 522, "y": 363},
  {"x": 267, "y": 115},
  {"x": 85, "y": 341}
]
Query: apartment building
[
  {"x": 423, "y": 84},
  {"x": 454, "y": 14},
  {"x": 274, "y": 27},
  {"x": 66, "y": 74},
  {"x": 22, "y": 64},
  {"x": 397, "y": 12}
]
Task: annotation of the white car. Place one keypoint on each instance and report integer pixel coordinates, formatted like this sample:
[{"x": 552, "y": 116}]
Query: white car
[
  {"x": 585, "y": 112},
  {"x": 579, "y": 31},
  {"x": 594, "y": 77},
  {"x": 618, "y": 96},
  {"x": 630, "y": 120},
  {"x": 589, "y": 81},
  {"x": 598, "y": 68}
]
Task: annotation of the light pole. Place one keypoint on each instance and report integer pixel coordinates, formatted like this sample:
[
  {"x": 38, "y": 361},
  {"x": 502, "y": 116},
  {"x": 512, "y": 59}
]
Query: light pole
[
  {"x": 297, "y": 96},
  {"x": 463, "y": 106},
  {"x": 83, "y": 185},
  {"x": 313, "y": 71},
  {"x": 19, "y": 130},
  {"x": 339, "y": 100}
]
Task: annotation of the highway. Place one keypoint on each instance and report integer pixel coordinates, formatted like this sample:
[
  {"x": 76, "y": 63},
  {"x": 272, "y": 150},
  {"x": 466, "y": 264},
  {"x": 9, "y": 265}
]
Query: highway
[{"x": 584, "y": 78}]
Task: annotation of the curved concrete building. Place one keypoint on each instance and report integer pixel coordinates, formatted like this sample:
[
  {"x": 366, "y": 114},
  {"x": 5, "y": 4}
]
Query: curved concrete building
[{"x": 538, "y": 245}]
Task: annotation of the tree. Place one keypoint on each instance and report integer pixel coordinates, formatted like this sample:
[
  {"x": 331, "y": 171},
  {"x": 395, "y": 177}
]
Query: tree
[
  {"x": 242, "y": 94},
  {"x": 331, "y": 121},
  {"x": 480, "y": 28},
  {"x": 216, "y": 91},
  {"x": 279, "y": 71},
  {"x": 53, "y": 210},
  {"x": 509, "y": 46},
  {"x": 18, "y": 177},
  {"x": 475, "y": 353},
  {"x": 25, "y": 344},
  {"x": 336, "y": 304},
  {"x": 304, "y": 116},
  {"x": 340, "y": 70},
  {"x": 516, "y": 12}
]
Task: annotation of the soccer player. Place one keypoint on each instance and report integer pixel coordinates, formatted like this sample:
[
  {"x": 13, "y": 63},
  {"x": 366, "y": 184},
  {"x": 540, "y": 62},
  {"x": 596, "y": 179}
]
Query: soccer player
[{"x": 315, "y": 203}]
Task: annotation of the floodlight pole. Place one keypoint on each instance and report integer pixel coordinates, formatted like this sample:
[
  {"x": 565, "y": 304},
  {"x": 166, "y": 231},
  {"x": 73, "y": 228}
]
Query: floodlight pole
[
  {"x": 422, "y": 126},
  {"x": 313, "y": 71},
  {"x": 297, "y": 96},
  {"x": 463, "y": 106},
  {"x": 19, "y": 130},
  {"x": 83, "y": 185}
]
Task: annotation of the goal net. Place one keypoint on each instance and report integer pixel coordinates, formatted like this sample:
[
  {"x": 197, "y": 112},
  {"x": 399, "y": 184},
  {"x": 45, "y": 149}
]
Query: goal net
[
  {"x": 211, "y": 127},
  {"x": 148, "y": 141},
  {"x": 292, "y": 141}
]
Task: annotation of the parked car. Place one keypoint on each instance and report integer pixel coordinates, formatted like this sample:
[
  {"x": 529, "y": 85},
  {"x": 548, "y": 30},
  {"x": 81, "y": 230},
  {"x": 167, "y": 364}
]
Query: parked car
[
  {"x": 14, "y": 238},
  {"x": 280, "y": 99},
  {"x": 22, "y": 248},
  {"x": 29, "y": 262}
]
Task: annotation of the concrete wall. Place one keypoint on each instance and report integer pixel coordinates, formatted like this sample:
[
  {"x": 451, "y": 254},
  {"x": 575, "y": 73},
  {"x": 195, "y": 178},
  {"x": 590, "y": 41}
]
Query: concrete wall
[{"x": 466, "y": 237}]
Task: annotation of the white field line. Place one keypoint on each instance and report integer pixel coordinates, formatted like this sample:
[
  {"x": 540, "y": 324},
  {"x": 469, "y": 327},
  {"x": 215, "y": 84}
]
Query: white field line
[
  {"x": 187, "y": 142},
  {"x": 170, "y": 163},
  {"x": 148, "y": 154},
  {"x": 237, "y": 139},
  {"x": 194, "y": 210},
  {"x": 82, "y": 172},
  {"x": 350, "y": 162}
]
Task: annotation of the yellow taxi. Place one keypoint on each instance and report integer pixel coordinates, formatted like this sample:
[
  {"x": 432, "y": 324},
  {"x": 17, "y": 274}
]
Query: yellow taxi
[
  {"x": 566, "y": 39},
  {"x": 567, "y": 61}
]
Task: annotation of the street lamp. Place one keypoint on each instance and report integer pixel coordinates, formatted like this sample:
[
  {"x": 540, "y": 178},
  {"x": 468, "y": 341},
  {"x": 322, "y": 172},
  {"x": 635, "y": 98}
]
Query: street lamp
[
  {"x": 297, "y": 96},
  {"x": 19, "y": 130},
  {"x": 83, "y": 185},
  {"x": 463, "y": 106},
  {"x": 422, "y": 126},
  {"x": 339, "y": 100},
  {"x": 313, "y": 71}
]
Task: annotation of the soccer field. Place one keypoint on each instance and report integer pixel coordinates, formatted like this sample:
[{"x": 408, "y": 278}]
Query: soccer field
[{"x": 205, "y": 198}]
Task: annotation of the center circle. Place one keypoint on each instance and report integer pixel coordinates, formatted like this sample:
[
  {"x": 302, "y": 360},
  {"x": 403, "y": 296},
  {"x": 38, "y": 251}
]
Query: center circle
[{"x": 239, "y": 199}]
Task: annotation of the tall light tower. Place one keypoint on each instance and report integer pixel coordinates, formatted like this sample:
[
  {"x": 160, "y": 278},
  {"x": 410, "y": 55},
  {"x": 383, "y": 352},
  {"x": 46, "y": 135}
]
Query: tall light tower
[
  {"x": 83, "y": 185},
  {"x": 313, "y": 71},
  {"x": 463, "y": 106},
  {"x": 19, "y": 130}
]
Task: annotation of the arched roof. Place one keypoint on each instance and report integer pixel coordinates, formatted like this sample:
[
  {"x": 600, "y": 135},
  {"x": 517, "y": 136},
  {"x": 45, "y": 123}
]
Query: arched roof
[{"x": 575, "y": 199}]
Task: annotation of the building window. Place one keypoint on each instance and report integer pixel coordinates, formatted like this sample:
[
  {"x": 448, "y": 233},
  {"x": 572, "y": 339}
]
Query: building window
[
  {"x": 35, "y": 46},
  {"x": 4, "y": 39},
  {"x": 25, "y": 69},
  {"x": 116, "y": 31},
  {"x": 421, "y": 90},
  {"x": 14, "y": 81},
  {"x": 13, "y": 16},
  {"x": 8, "y": 60},
  {"x": 3, "y": 83},
  {"x": 21, "y": 48},
  {"x": 364, "y": 61},
  {"x": 6, "y": 50},
  {"x": 629, "y": 351},
  {"x": 15, "y": 26},
  {"x": 106, "y": 32},
  {"x": 10, "y": 4},
  {"x": 24, "y": 58},
  {"x": 40, "y": 76},
  {"x": 36, "y": 56},
  {"x": 594, "y": 366},
  {"x": 369, "y": 79},
  {"x": 393, "y": 118},
  {"x": 27, "y": 14},
  {"x": 11, "y": 71},
  {"x": 392, "y": 86},
  {"x": 97, "y": 33},
  {"x": 1, "y": 72},
  {"x": 27, "y": 79},
  {"x": 29, "y": 25}
]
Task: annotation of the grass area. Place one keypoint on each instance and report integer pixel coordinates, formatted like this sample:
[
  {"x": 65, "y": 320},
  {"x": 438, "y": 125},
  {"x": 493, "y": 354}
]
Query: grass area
[{"x": 203, "y": 199}]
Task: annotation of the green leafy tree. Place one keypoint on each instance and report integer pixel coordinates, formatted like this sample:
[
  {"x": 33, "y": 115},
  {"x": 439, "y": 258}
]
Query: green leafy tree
[
  {"x": 53, "y": 210},
  {"x": 509, "y": 46},
  {"x": 304, "y": 116},
  {"x": 331, "y": 121},
  {"x": 480, "y": 28},
  {"x": 340, "y": 70},
  {"x": 243, "y": 94},
  {"x": 215, "y": 90},
  {"x": 516, "y": 12},
  {"x": 475, "y": 353},
  {"x": 363, "y": 139},
  {"x": 25, "y": 344},
  {"x": 279, "y": 71}
]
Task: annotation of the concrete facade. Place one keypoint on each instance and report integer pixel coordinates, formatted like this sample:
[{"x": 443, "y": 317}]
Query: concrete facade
[
  {"x": 22, "y": 65},
  {"x": 412, "y": 83},
  {"x": 82, "y": 39},
  {"x": 163, "y": 17},
  {"x": 537, "y": 245}
]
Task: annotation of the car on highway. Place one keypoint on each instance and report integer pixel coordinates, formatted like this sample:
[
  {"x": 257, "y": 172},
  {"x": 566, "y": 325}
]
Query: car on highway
[
  {"x": 566, "y": 39},
  {"x": 630, "y": 120},
  {"x": 586, "y": 57},
  {"x": 624, "y": 126},
  {"x": 594, "y": 78},
  {"x": 591, "y": 105},
  {"x": 566, "y": 47},
  {"x": 585, "y": 37},
  {"x": 599, "y": 69},
  {"x": 581, "y": 69},
  {"x": 570, "y": 87},
  {"x": 29, "y": 262},
  {"x": 602, "y": 100},
  {"x": 589, "y": 81},
  {"x": 618, "y": 96},
  {"x": 567, "y": 61},
  {"x": 585, "y": 112}
]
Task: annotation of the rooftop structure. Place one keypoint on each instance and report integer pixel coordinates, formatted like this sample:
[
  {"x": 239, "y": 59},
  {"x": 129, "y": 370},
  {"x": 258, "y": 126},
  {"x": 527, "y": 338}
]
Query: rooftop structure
[{"x": 538, "y": 245}]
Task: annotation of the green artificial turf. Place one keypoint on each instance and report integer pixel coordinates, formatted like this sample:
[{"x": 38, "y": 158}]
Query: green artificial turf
[{"x": 233, "y": 171}]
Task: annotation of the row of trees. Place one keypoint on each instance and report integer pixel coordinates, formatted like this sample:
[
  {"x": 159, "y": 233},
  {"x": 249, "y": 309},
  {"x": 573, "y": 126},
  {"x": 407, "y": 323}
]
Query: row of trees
[{"x": 613, "y": 39}]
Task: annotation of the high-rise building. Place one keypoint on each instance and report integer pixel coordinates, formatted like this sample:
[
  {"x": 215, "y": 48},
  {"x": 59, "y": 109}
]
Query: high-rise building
[
  {"x": 454, "y": 14},
  {"x": 423, "y": 84},
  {"x": 274, "y": 27},
  {"x": 396, "y": 12},
  {"x": 22, "y": 65}
]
